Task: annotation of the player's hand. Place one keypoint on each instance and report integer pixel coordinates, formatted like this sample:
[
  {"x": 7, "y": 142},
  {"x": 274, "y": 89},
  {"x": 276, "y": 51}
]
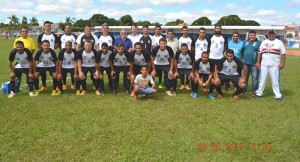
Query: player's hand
[
  {"x": 81, "y": 76},
  {"x": 217, "y": 82},
  {"x": 36, "y": 75},
  {"x": 153, "y": 73},
  {"x": 96, "y": 75},
  {"x": 170, "y": 74},
  {"x": 59, "y": 76},
  {"x": 100, "y": 76},
  {"x": 113, "y": 74},
  {"x": 128, "y": 75},
  {"x": 154, "y": 86},
  {"x": 176, "y": 74},
  {"x": 192, "y": 76},
  {"x": 281, "y": 66},
  {"x": 257, "y": 65},
  {"x": 12, "y": 75}
]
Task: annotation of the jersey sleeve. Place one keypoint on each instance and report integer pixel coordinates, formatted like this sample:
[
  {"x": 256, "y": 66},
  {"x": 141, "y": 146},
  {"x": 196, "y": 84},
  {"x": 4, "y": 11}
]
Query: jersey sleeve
[
  {"x": 219, "y": 64},
  {"x": 146, "y": 56},
  {"x": 53, "y": 54},
  {"x": 171, "y": 53},
  {"x": 131, "y": 56},
  {"x": 59, "y": 41},
  {"x": 191, "y": 56},
  {"x": 56, "y": 38},
  {"x": 99, "y": 54},
  {"x": 97, "y": 57},
  {"x": 212, "y": 67},
  {"x": 79, "y": 55},
  {"x": 239, "y": 63},
  {"x": 154, "y": 51},
  {"x": 208, "y": 45},
  {"x": 61, "y": 54},
  {"x": 113, "y": 38},
  {"x": 126, "y": 54},
  {"x": 225, "y": 42},
  {"x": 194, "y": 42},
  {"x": 197, "y": 63},
  {"x": 177, "y": 55},
  {"x": 12, "y": 55},
  {"x": 112, "y": 56},
  {"x": 37, "y": 55},
  {"x": 39, "y": 40},
  {"x": 29, "y": 54}
]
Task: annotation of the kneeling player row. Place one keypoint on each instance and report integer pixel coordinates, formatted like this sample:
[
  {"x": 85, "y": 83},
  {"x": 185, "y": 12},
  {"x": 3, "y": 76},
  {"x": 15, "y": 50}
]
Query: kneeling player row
[{"x": 212, "y": 72}]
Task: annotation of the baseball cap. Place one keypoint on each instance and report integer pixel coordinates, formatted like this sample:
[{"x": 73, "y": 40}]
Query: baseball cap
[{"x": 272, "y": 31}]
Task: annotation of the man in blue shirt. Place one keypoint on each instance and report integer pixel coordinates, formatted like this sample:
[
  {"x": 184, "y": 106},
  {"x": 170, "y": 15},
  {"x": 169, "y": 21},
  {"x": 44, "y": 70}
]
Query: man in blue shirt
[
  {"x": 249, "y": 55},
  {"x": 123, "y": 40}
]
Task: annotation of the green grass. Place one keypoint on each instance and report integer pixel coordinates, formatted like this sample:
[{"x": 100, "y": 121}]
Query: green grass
[{"x": 163, "y": 128}]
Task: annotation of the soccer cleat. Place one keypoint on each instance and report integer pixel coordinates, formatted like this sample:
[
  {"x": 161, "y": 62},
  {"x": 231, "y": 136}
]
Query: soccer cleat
[
  {"x": 31, "y": 94},
  {"x": 73, "y": 86},
  {"x": 78, "y": 92},
  {"x": 53, "y": 93},
  {"x": 64, "y": 87},
  {"x": 12, "y": 94},
  {"x": 98, "y": 92},
  {"x": 160, "y": 86},
  {"x": 58, "y": 93},
  {"x": 36, "y": 93},
  {"x": 219, "y": 96},
  {"x": 278, "y": 99},
  {"x": 174, "y": 93},
  {"x": 210, "y": 96},
  {"x": 169, "y": 93},
  {"x": 187, "y": 87},
  {"x": 182, "y": 87},
  {"x": 83, "y": 92},
  {"x": 195, "y": 95},
  {"x": 42, "y": 89}
]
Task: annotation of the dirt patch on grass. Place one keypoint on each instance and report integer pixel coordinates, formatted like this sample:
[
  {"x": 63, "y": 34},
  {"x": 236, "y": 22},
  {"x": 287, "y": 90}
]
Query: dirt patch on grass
[{"x": 292, "y": 52}]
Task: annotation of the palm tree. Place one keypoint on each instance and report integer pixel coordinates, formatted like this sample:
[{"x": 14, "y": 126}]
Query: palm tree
[
  {"x": 34, "y": 21},
  {"x": 14, "y": 21},
  {"x": 70, "y": 20}
]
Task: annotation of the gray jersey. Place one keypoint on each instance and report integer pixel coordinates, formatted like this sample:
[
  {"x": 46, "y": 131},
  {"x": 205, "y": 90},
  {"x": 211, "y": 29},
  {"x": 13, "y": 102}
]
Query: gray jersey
[
  {"x": 184, "y": 61},
  {"x": 229, "y": 68},
  {"x": 204, "y": 68},
  {"x": 105, "y": 59},
  {"x": 121, "y": 60},
  {"x": 139, "y": 60},
  {"x": 88, "y": 59}
]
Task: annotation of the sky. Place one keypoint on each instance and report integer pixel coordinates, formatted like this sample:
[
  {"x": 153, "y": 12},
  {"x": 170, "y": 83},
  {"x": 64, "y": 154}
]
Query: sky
[{"x": 275, "y": 12}]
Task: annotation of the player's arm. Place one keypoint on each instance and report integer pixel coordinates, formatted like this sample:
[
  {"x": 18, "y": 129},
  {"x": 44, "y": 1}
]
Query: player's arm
[
  {"x": 258, "y": 61},
  {"x": 111, "y": 64},
  {"x": 281, "y": 65},
  {"x": 12, "y": 72}
]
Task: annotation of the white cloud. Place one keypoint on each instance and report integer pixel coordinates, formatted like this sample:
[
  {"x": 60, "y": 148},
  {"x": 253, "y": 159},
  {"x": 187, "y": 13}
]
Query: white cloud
[
  {"x": 298, "y": 15},
  {"x": 169, "y": 2},
  {"x": 263, "y": 12},
  {"x": 127, "y": 2}
]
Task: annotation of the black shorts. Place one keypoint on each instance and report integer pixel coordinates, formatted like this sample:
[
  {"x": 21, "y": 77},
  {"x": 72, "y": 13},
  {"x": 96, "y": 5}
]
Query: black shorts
[
  {"x": 65, "y": 71},
  {"x": 85, "y": 70},
  {"x": 226, "y": 78},
  {"x": 43, "y": 70},
  {"x": 214, "y": 61},
  {"x": 204, "y": 77},
  {"x": 19, "y": 71},
  {"x": 184, "y": 71},
  {"x": 164, "y": 68}
]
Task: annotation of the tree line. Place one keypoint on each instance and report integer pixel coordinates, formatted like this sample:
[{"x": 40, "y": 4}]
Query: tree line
[{"x": 126, "y": 20}]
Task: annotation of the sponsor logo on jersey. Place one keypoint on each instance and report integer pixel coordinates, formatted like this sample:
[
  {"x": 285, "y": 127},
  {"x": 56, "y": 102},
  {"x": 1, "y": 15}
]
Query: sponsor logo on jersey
[
  {"x": 204, "y": 44},
  {"x": 51, "y": 40}
]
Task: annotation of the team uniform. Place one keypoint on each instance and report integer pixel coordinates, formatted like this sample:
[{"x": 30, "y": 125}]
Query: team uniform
[
  {"x": 156, "y": 39},
  {"x": 162, "y": 61},
  {"x": 138, "y": 61},
  {"x": 22, "y": 66},
  {"x": 184, "y": 66},
  {"x": 187, "y": 40},
  {"x": 147, "y": 43},
  {"x": 200, "y": 46},
  {"x": 83, "y": 37},
  {"x": 271, "y": 52},
  {"x": 250, "y": 52},
  {"x": 217, "y": 47},
  {"x": 127, "y": 43},
  {"x": 204, "y": 70},
  {"x": 67, "y": 63},
  {"x": 134, "y": 38},
  {"x": 236, "y": 47},
  {"x": 46, "y": 62},
  {"x": 88, "y": 62},
  {"x": 64, "y": 38},
  {"x": 120, "y": 64},
  {"x": 105, "y": 67},
  {"x": 228, "y": 71},
  {"x": 52, "y": 38},
  {"x": 109, "y": 39},
  {"x": 143, "y": 84}
]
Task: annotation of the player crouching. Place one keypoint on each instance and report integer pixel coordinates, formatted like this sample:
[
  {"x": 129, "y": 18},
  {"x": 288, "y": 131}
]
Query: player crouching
[
  {"x": 227, "y": 70},
  {"x": 141, "y": 84}
]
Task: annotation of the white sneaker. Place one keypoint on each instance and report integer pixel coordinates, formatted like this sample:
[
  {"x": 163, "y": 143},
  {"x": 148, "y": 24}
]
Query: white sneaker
[
  {"x": 169, "y": 93},
  {"x": 12, "y": 94},
  {"x": 31, "y": 94}
]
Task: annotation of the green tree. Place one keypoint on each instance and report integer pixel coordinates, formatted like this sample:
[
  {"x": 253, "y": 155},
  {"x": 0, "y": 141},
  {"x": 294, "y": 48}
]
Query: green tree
[
  {"x": 156, "y": 24},
  {"x": 14, "y": 21},
  {"x": 81, "y": 23},
  {"x": 290, "y": 35},
  {"x": 98, "y": 19},
  {"x": 24, "y": 21},
  {"x": 251, "y": 23},
  {"x": 34, "y": 21},
  {"x": 202, "y": 21},
  {"x": 141, "y": 23},
  {"x": 179, "y": 21},
  {"x": 70, "y": 20},
  {"x": 230, "y": 20},
  {"x": 126, "y": 20},
  {"x": 171, "y": 23}
]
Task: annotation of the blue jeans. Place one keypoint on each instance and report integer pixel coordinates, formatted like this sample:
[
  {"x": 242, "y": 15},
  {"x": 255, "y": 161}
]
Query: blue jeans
[
  {"x": 148, "y": 90},
  {"x": 254, "y": 73}
]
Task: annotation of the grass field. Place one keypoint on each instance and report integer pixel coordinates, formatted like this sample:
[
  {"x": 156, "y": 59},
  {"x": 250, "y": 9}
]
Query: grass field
[{"x": 162, "y": 128}]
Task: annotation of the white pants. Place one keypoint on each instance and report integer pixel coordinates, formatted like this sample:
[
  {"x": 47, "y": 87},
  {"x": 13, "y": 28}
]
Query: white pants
[{"x": 275, "y": 78}]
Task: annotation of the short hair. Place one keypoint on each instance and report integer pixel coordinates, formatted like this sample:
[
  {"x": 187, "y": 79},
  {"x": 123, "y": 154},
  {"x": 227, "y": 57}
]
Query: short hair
[
  {"x": 204, "y": 53},
  {"x": 88, "y": 25},
  {"x": 162, "y": 40},
  {"x": 202, "y": 29},
  {"x": 68, "y": 24},
  {"x": 183, "y": 45},
  {"x": 145, "y": 26},
  {"x": 47, "y": 22},
  {"x": 20, "y": 42},
  {"x": 157, "y": 26},
  {"x": 184, "y": 27},
  {"x": 236, "y": 33},
  {"x": 137, "y": 43},
  {"x": 230, "y": 51},
  {"x": 45, "y": 41},
  {"x": 143, "y": 66},
  {"x": 24, "y": 28},
  {"x": 104, "y": 44},
  {"x": 88, "y": 41},
  {"x": 170, "y": 30},
  {"x": 120, "y": 45},
  {"x": 68, "y": 42},
  {"x": 218, "y": 25},
  {"x": 252, "y": 31},
  {"x": 133, "y": 25}
]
